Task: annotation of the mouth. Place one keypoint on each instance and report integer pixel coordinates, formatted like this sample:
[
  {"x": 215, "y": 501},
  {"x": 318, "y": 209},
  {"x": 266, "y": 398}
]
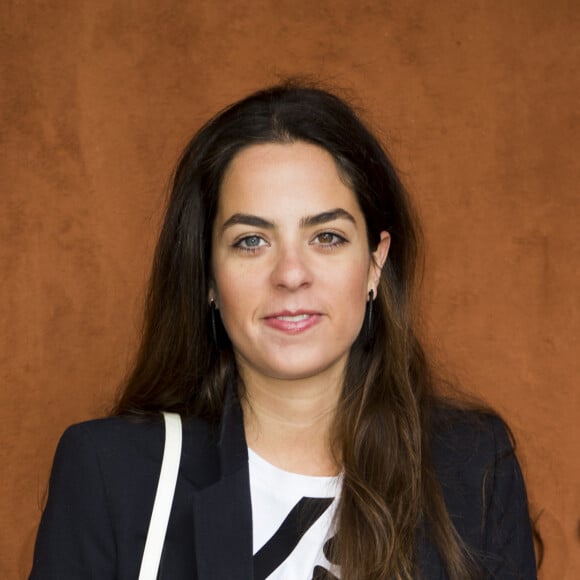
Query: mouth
[
  {"x": 293, "y": 317},
  {"x": 293, "y": 322}
]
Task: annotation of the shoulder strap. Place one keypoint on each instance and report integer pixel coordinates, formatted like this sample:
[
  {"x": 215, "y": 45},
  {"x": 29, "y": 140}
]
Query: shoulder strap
[{"x": 163, "y": 498}]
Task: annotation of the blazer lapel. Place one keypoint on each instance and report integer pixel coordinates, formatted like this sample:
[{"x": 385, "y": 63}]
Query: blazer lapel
[{"x": 222, "y": 510}]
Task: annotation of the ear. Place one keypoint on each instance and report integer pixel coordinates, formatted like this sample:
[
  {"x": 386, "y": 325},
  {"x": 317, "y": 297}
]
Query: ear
[{"x": 378, "y": 259}]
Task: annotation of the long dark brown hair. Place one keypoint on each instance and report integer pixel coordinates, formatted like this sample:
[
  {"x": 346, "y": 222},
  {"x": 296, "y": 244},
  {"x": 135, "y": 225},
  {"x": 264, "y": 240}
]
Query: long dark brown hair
[{"x": 382, "y": 432}]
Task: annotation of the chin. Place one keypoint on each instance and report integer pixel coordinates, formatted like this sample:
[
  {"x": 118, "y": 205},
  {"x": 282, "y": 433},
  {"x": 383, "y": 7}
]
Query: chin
[
  {"x": 294, "y": 374},
  {"x": 299, "y": 368}
]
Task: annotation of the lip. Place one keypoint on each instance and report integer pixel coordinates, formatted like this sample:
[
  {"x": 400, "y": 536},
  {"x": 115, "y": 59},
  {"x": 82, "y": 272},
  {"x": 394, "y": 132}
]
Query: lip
[{"x": 293, "y": 322}]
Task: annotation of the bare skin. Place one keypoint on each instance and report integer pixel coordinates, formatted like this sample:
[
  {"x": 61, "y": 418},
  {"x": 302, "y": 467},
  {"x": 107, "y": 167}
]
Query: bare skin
[{"x": 292, "y": 272}]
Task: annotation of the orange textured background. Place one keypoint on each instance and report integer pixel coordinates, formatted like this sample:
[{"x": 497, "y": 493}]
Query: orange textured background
[{"x": 479, "y": 103}]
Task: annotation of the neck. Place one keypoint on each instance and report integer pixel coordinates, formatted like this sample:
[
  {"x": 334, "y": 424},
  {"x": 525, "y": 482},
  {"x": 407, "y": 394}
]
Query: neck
[{"x": 288, "y": 422}]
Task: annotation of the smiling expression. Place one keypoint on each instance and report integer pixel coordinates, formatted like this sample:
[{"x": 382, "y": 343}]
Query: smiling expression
[{"x": 291, "y": 264}]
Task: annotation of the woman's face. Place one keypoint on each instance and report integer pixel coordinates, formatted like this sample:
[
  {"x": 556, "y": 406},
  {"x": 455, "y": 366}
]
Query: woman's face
[{"x": 291, "y": 264}]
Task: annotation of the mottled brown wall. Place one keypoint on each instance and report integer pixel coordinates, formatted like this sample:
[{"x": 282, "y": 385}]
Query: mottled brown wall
[{"x": 479, "y": 102}]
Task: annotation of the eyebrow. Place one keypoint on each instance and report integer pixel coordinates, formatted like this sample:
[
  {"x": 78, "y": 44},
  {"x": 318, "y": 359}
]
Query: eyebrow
[{"x": 308, "y": 221}]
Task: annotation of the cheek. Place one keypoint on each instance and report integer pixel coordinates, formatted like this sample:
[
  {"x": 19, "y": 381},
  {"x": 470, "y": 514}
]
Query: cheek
[
  {"x": 348, "y": 295},
  {"x": 237, "y": 297},
  {"x": 353, "y": 302},
  {"x": 353, "y": 281}
]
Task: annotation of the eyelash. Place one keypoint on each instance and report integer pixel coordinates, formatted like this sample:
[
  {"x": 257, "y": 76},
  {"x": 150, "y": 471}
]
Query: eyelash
[{"x": 338, "y": 241}]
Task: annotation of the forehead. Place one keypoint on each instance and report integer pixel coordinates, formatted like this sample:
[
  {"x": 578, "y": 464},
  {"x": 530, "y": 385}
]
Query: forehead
[{"x": 290, "y": 179}]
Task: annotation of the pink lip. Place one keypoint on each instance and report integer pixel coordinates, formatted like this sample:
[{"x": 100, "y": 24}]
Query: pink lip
[{"x": 307, "y": 320}]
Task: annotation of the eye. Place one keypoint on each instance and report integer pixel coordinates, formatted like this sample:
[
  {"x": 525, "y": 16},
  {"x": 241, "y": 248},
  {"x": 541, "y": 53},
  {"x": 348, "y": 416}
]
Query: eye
[
  {"x": 329, "y": 239},
  {"x": 250, "y": 243}
]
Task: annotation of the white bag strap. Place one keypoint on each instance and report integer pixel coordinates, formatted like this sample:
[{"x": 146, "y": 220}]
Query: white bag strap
[{"x": 163, "y": 498}]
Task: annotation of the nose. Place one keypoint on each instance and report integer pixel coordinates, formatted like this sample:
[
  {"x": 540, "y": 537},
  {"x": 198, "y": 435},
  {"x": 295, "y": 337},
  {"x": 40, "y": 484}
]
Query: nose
[{"x": 291, "y": 270}]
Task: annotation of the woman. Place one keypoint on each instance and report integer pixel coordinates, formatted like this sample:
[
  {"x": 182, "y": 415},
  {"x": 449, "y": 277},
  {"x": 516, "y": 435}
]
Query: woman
[{"x": 279, "y": 325}]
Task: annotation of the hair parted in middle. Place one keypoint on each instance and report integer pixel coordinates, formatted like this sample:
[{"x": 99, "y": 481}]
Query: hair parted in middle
[{"x": 382, "y": 434}]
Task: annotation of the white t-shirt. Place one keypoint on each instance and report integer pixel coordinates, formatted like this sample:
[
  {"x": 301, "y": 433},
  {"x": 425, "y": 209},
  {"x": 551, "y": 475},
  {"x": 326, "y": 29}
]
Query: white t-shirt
[{"x": 292, "y": 520}]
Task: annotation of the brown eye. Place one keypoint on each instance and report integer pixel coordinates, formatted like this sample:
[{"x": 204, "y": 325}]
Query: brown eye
[
  {"x": 326, "y": 238},
  {"x": 329, "y": 239}
]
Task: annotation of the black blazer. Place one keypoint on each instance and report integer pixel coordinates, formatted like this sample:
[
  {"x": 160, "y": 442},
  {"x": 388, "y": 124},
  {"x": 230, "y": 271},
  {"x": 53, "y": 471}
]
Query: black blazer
[{"x": 105, "y": 474}]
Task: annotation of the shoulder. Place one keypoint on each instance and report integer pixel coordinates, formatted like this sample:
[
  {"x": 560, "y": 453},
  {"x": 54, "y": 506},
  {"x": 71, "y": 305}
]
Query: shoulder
[
  {"x": 114, "y": 432},
  {"x": 128, "y": 430},
  {"x": 110, "y": 439},
  {"x": 102, "y": 486},
  {"x": 472, "y": 452},
  {"x": 483, "y": 487},
  {"x": 469, "y": 436},
  {"x": 126, "y": 447}
]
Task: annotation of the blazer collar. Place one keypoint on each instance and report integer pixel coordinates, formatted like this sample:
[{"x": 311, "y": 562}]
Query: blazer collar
[{"x": 223, "y": 510}]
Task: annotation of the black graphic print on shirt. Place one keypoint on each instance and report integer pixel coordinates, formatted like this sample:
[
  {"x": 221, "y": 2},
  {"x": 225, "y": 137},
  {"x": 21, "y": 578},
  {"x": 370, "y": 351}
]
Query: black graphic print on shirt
[{"x": 277, "y": 549}]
